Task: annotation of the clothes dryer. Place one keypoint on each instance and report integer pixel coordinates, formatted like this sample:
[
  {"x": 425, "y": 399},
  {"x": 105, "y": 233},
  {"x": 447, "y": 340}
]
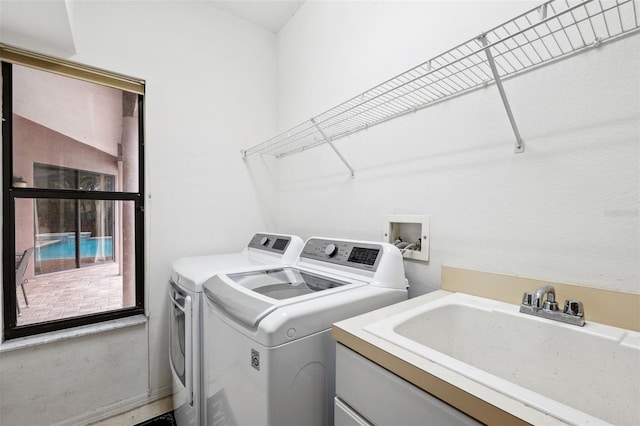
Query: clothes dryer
[
  {"x": 269, "y": 358},
  {"x": 185, "y": 295}
]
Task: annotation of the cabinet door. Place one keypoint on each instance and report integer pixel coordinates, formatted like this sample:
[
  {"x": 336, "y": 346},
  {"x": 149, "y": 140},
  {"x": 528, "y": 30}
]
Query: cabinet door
[{"x": 383, "y": 398}]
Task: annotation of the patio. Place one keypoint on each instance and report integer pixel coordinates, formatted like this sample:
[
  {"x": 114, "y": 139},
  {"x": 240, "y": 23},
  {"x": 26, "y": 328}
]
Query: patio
[{"x": 71, "y": 293}]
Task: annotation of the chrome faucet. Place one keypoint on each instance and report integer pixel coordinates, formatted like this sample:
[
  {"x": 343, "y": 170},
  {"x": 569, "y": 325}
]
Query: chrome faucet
[
  {"x": 542, "y": 303},
  {"x": 539, "y": 302}
]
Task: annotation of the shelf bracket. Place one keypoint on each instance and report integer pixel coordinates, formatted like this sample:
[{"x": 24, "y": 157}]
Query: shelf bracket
[
  {"x": 327, "y": 140},
  {"x": 519, "y": 145}
]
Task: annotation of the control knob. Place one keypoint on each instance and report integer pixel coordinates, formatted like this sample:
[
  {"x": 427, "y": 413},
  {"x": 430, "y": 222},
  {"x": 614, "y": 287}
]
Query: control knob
[
  {"x": 331, "y": 250},
  {"x": 264, "y": 241}
]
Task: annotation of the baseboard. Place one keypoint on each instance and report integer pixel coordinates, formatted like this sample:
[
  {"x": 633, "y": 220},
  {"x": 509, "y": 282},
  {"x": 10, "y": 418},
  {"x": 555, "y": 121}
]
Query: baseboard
[{"x": 117, "y": 408}]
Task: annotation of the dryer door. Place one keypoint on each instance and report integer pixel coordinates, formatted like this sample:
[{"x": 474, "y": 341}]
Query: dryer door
[{"x": 180, "y": 339}]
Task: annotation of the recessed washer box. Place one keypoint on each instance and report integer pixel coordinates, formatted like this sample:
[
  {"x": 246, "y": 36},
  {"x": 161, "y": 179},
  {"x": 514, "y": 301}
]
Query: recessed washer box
[{"x": 410, "y": 233}]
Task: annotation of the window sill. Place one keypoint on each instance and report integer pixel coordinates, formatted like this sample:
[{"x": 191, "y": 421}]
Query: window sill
[{"x": 56, "y": 336}]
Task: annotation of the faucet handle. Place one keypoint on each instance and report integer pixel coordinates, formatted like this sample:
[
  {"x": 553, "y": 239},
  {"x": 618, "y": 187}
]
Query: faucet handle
[
  {"x": 527, "y": 298},
  {"x": 573, "y": 307}
]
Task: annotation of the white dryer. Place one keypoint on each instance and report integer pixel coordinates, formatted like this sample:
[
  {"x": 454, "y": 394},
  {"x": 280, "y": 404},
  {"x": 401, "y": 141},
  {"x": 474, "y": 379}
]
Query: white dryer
[
  {"x": 269, "y": 358},
  {"x": 185, "y": 295}
]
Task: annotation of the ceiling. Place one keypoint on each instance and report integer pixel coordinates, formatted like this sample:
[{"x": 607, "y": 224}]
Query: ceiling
[
  {"x": 271, "y": 15},
  {"x": 48, "y": 25},
  {"x": 42, "y": 26}
]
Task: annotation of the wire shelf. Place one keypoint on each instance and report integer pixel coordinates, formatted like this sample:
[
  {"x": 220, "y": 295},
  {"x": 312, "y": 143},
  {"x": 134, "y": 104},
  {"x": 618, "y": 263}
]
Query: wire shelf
[{"x": 553, "y": 30}]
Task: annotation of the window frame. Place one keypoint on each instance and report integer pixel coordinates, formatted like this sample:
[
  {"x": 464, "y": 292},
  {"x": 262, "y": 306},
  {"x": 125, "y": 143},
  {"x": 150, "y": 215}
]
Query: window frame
[{"x": 10, "y": 194}]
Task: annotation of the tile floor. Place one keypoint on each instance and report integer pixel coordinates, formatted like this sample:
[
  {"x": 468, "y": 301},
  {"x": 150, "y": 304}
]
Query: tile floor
[{"x": 71, "y": 293}]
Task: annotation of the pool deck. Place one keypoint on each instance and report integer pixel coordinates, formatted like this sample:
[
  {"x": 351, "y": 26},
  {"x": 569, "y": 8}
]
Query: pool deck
[{"x": 71, "y": 293}]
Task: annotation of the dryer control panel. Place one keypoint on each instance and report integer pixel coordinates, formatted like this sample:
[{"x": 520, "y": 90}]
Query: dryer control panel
[
  {"x": 347, "y": 253},
  {"x": 270, "y": 242}
]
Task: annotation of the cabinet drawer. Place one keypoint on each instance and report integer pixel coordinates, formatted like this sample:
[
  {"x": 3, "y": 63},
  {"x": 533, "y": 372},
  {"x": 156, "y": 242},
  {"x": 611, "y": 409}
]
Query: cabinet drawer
[{"x": 383, "y": 398}]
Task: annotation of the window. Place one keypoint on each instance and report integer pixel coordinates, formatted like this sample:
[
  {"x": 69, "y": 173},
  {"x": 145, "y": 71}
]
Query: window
[
  {"x": 83, "y": 230},
  {"x": 73, "y": 194}
]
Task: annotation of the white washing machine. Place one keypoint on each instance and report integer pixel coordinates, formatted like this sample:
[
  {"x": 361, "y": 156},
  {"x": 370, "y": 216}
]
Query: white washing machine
[
  {"x": 185, "y": 295},
  {"x": 269, "y": 358}
]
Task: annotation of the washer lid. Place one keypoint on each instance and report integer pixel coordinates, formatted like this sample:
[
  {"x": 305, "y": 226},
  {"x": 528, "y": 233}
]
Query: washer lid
[
  {"x": 275, "y": 284},
  {"x": 284, "y": 283},
  {"x": 239, "y": 305}
]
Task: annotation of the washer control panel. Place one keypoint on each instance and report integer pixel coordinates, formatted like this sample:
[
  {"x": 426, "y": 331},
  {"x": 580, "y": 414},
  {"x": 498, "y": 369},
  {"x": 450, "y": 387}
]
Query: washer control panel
[
  {"x": 347, "y": 253},
  {"x": 270, "y": 242}
]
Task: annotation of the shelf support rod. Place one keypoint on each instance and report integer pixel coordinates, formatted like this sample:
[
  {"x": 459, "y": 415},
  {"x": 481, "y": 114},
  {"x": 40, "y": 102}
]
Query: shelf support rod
[
  {"x": 519, "y": 146},
  {"x": 327, "y": 140}
]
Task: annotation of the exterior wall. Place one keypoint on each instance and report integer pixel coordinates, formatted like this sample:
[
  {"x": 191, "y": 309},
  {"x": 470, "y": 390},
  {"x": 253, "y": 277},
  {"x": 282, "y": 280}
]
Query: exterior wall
[
  {"x": 84, "y": 111},
  {"x": 34, "y": 143}
]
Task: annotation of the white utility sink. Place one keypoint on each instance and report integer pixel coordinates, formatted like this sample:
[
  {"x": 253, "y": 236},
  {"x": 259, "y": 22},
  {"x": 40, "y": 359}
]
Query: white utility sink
[{"x": 581, "y": 375}]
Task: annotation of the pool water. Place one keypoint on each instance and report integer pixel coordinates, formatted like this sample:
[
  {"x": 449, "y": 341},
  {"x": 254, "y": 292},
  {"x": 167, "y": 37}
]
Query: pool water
[{"x": 89, "y": 247}]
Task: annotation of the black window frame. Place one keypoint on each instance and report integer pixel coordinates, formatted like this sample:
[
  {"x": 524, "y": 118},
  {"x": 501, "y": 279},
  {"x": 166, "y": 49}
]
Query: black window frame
[{"x": 9, "y": 194}]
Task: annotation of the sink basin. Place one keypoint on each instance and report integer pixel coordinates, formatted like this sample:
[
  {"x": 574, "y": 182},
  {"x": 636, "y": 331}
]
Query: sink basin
[{"x": 579, "y": 375}]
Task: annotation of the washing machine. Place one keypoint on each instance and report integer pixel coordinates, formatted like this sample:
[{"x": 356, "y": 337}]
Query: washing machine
[
  {"x": 185, "y": 296},
  {"x": 269, "y": 358}
]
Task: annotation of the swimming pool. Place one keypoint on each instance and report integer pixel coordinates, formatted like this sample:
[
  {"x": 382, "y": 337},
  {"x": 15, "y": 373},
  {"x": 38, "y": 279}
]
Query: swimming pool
[{"x": 89, "y": 247}]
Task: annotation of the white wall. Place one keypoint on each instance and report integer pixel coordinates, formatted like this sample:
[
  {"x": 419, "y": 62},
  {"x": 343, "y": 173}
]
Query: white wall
[
  {"x": 73, "y": 380},
  {"x": 565, "y": 210},
  {"x": 210, "y": 91}
]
